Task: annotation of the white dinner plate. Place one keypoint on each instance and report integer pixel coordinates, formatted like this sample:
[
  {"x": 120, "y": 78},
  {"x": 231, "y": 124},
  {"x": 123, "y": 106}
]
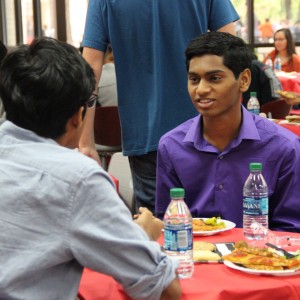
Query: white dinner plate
[
  {"x": 228, "y": 226},
  {"x": 262, "y": 272}
]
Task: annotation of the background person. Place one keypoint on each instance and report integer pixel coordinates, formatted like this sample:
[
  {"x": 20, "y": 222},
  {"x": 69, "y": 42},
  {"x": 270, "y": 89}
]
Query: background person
[
  {"x": 148, "y": 41},
  {"x": 209, "y": 155},
  {"x": 266, "y": 30},
  {"x": 59, "y": 211},
  {"x": 285, "y": 49},
  {"x": 263, "y": 81}
]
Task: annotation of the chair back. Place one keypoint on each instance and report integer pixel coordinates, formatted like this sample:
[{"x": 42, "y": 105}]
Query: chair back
[
  {"x": 279, "y": 109},
  {"x": 107, "y": 127},
  {"x": 119, "y": 168}
]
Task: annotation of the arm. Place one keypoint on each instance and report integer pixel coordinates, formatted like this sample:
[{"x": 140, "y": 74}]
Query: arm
[
  {"x": 228, "y": 28},
  {"x": 172, "y": 291},
  {"x": 87, "y": 141}
]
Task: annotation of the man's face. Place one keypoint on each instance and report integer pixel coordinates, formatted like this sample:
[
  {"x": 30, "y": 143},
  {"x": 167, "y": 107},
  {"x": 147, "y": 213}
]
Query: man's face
[{"x": 213, "y": 88}]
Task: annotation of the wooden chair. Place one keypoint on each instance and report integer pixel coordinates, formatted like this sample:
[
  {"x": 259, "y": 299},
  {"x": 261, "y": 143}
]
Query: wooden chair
[
  {"x": 107, "y": 132},
  {"x": 278, "y": 109}
]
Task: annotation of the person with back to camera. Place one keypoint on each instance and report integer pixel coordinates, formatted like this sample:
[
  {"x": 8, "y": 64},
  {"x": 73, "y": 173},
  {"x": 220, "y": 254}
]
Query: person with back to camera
[
  {"x": 148, "y": 39},
  {"x": 59, "y": 210},
  {"x": 263, "y": 81},
  {"x": 285, "y": 49},
  {"x": 209, "y": 155}
]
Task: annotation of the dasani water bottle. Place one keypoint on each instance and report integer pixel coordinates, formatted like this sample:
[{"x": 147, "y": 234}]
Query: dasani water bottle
[
  {"x": 255, "y": 204},
  {"x": 178, "y": 233}
]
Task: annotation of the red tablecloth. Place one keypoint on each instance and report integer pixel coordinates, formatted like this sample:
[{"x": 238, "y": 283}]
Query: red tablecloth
[
  {"x": 290, "y": 81},
  {"x": 292, "y": 127},
  {"x": 213, "y": 281}
]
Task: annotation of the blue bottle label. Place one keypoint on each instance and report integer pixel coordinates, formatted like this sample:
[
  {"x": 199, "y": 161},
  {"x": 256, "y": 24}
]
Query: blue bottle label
[
  {"x": 255, "y": 206},
  {"x": 178, "y": 237}
]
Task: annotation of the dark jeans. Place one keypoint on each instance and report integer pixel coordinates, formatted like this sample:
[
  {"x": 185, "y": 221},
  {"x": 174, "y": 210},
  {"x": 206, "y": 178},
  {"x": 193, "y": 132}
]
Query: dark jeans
[{"x": 143, "y": 169}]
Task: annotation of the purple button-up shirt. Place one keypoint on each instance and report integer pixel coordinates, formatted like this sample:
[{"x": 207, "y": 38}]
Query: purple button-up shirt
[{"x": 214, "y": 180}]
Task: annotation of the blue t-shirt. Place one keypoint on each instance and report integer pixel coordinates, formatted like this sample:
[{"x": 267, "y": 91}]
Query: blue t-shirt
[{"x": 148, "y": 40}]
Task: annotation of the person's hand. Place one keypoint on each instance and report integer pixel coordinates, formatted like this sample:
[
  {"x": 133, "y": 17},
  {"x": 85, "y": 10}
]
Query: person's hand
[
  {"x": 291, "y": 98},
  {"x": 149, "y": 223}
]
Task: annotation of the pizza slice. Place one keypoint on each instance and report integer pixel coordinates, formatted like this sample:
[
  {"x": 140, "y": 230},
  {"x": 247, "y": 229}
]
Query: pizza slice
[{"x": 244, "y": 258}]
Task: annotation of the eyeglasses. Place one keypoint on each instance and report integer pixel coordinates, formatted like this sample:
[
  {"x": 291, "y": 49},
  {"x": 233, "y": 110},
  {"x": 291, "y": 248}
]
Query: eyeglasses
[
  {"x": 92, "y": 101},
  {"x": 279, "y": 40}
]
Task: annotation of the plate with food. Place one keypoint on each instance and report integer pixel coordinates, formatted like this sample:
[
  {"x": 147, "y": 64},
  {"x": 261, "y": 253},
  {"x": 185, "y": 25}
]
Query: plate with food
[
  {"x": 205, "y": 252},
  {"x": 260, "y": 261},
  {"x": 288, "y": 94},
  {"x": 210, "y": 226}
]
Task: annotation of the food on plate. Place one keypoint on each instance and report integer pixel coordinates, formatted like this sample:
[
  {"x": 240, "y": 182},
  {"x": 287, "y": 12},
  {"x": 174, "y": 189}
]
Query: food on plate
[
  {"x": 204, "y": 246},
  {"x": 260, "y": 258},
  {"x": 293, "y": 118},
  {"x": 287, "y": 94},
  {"x": 208, "y": 224},
  {"x": 263, "y": 251},
  {"x": 206, "y": 255}
]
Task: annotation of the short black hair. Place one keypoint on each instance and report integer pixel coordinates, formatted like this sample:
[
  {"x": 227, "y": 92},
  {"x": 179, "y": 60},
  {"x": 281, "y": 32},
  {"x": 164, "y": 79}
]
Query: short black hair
[
  {"x": 3, "y": 51},
  {"x": 43, "y": 84},
  {"x": 236, "y": 53}
]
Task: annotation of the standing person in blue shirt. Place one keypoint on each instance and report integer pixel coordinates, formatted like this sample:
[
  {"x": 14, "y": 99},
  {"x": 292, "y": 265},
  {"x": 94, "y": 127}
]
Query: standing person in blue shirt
[
  {"x": 148, "y": 39},
  {"x": 209, "y": 155}
]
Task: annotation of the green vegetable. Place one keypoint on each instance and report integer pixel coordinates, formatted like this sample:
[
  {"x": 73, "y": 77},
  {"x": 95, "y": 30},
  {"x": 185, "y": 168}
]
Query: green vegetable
[{"x": 214, "y": 221}]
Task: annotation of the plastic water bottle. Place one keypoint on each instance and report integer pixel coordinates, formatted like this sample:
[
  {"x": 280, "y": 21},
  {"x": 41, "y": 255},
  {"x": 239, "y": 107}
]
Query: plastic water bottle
[
  {"x": 253, "y": 104},
  {"x": 277, "y": 64},
  {"x": 269, "y": 63},
  {"x": 255, "y": 204},
  {"x": 178, "y": 233}
]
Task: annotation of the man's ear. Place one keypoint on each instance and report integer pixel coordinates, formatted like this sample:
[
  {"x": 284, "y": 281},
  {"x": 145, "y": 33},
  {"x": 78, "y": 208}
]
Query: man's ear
[
  {"x": 77, "y": 119},
  {"x": 245, "y": 80}
]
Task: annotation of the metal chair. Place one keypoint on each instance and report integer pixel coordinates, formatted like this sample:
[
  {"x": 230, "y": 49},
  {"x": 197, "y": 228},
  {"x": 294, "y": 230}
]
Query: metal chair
[
  {"x": 278, "y": 109},
  {"x": 107, "y": 131}
]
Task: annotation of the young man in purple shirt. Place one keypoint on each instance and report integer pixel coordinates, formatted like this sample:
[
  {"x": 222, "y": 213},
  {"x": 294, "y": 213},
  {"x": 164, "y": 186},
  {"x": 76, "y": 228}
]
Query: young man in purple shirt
[{"x": 209, "y": 155}]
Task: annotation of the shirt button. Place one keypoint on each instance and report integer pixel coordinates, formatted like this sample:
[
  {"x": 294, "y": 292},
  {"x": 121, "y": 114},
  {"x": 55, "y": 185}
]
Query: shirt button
[
  {"x": 221, "y": 157},
  {"x": 220, "y": 186}
]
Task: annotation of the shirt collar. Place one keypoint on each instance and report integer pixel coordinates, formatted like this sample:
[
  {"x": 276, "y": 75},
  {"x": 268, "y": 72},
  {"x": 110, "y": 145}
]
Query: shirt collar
[
  {"x": 21, "y": 134},
  {"x": 248, "y": 131}
]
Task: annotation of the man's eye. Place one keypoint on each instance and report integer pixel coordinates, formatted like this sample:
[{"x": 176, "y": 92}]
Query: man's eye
[
  {"x": 215, "y": 78},
  {"x": 193, "y": 79}
]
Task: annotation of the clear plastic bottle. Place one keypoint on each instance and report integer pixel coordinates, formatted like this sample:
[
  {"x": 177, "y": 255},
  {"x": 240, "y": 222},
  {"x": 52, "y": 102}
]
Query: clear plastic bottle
[
  {"x": 255, "y": 204},
  {"x": 178, "y": 233},
  {"x": 253, "y": 104},
  {"x": 269, "y": 63},
  {"x": 277, "y": 64}
]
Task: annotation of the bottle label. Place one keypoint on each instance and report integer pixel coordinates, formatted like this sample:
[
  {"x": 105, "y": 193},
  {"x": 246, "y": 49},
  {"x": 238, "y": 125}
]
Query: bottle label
[
  {"x": 178, "y": 237},
  {"x": 255, "y": 206}
]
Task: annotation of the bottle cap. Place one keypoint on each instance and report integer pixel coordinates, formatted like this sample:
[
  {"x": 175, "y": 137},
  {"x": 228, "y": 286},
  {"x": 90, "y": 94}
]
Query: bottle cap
[
  {"x": 177, "y": 192},
  {"x": 252, "y": 94},
  {"x": 255, "y": 166}
]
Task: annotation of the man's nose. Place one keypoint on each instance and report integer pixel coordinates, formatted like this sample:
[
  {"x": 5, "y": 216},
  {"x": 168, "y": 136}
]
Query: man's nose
[{"x": 203, "y": 87}]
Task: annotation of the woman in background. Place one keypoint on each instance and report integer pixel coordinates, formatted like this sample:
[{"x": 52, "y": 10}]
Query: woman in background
[{"x": 285, "y": 49}]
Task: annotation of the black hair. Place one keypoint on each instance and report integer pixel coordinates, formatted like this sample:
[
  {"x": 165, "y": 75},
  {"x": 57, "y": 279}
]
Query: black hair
[
  {"x": 236, "y": 54},
  {"x": 3, "y": 51},
  {"x": 43, "y": 84}
]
